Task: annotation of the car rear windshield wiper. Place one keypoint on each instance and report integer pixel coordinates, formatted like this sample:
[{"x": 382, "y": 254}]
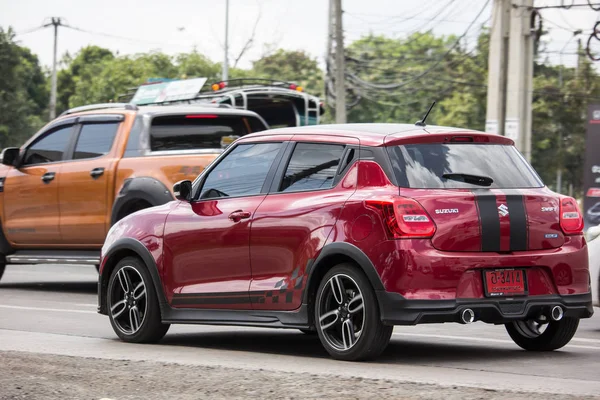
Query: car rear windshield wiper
[{"x": 470, "y": 178}]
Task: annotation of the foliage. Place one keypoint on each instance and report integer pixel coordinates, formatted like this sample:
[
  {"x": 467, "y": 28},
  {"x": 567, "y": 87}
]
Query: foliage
[
  {"x": 23, "y": 92},
  {"x": 292, "y": 66},
  {"x": 409, "y": 74}
]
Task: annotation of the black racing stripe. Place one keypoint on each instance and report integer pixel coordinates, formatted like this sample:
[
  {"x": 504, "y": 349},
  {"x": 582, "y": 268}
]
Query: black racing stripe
[
  {"x": 489, "y": 220},
  {"x": 518, "y": 222}
]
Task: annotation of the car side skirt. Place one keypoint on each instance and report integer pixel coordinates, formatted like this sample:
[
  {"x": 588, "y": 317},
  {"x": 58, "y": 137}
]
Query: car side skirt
[{"x": 272, "y": 319}]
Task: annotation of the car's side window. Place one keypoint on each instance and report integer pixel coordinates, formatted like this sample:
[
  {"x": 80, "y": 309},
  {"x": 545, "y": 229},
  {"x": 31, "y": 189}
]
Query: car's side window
[
  {"x": 95, "y": 140},
  {"x": 312, "y": 167},
  {"x": 242, "y": 172},
  {"x": 50, "y": 148}
]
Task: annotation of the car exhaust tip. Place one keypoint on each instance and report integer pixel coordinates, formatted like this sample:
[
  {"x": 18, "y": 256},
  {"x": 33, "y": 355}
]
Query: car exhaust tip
[
  {"x": 467, "y": 316},
  {"x": 557, "y": 313}
]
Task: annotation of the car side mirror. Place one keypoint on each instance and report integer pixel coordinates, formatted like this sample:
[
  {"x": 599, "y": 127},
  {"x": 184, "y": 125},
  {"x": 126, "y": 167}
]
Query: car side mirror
[
  {"x": 183, "y": 190},
  {"x": 10, "y": 156}
]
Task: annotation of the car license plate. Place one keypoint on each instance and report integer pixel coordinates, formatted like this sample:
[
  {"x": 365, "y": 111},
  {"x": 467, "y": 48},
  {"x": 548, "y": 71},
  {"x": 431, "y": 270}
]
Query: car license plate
[{"x": 505, "y": 282}]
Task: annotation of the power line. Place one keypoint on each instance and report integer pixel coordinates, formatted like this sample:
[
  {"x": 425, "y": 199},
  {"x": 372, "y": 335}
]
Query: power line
[
  {"x": 25, "y": 32},
  {"x": 389, "y": 86},
  {"x": 110, "y": 35}
]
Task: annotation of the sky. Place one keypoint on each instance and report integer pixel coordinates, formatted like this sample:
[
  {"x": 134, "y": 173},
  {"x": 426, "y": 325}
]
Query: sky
[{"x": 175, "y": 26}]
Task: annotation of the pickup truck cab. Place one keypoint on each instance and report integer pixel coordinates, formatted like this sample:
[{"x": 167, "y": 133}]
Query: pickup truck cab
[{"x": 62, "y": 191}]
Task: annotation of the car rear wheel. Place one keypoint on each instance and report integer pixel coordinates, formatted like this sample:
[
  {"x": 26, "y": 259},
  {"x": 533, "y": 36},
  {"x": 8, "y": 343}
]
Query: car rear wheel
[
  {"x": 132, "y": 303},
  {"x": 536, "y": 336},
  {"x": 347, "y": 315}
]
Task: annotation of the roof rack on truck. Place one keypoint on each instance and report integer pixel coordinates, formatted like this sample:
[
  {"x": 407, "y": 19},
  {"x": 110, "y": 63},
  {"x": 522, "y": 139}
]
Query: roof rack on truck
[{"x": 280, "y": 103}]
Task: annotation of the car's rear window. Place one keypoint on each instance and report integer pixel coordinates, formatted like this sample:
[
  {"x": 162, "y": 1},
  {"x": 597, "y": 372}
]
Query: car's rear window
[
  {"x": 191, "y": 132},
  {"x": 423, "y": 165}
]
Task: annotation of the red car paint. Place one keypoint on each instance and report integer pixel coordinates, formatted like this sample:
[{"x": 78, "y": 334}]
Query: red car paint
[{"x": 261, "y": 262}]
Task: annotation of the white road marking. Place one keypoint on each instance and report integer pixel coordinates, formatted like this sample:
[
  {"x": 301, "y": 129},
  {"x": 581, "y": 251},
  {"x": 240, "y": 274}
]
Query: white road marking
[
  {"x": 414, "y": 335},
  {"x": 490, "y": 340},
  {"x": 47, "y": 309},
  {"x": 48, "y": 343}
]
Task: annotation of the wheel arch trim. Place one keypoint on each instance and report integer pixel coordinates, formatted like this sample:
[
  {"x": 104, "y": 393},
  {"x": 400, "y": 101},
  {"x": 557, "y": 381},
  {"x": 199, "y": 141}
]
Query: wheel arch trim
[
  {"x": 346, "y": 250},
  {"x": 129, "y": 245}
]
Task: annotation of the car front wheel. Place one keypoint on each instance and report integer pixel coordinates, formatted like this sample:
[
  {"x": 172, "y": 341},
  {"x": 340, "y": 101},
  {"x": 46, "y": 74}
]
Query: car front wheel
[
  {"x": 132, "y": 303},
  {"x": 535, "y": 336},
  {"x": 347, "y": 315}
]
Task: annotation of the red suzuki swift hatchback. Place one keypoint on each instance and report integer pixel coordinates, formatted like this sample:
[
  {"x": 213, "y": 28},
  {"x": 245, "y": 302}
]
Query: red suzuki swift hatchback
[{"x": 347, "y": 230}]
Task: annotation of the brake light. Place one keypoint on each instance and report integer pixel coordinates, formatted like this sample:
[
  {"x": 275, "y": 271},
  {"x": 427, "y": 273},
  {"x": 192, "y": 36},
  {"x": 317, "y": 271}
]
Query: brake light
[
  {"x": 403, "y": 218},
  {"x": 571, "y": 220},
  {"x": 201, "y": 116},
  {"x": 462, "y": 139}
]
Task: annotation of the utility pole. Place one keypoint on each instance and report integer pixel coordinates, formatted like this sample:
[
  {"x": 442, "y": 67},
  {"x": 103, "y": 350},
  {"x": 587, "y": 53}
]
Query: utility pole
[
  {"x": 225, "y": 75},
  {"x": 340, "y": 87},
  {"x": 498, "y": 67},
  {"x": 56, "y": 23},
  {"x": 519, "y": 97},
  {"x": 510, "y": 76}
]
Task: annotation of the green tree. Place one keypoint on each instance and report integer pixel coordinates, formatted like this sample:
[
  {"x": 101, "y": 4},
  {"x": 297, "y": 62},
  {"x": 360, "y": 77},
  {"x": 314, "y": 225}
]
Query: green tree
[
  {"x": 80, "y": 70},
  {"x": 292, "y": 66},
  {"x": 23, "y": 92},
  {"x": 397, "y": 80}
]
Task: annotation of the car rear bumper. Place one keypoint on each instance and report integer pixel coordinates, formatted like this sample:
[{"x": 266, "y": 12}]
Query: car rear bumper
[{"x": 396, "y": 310}]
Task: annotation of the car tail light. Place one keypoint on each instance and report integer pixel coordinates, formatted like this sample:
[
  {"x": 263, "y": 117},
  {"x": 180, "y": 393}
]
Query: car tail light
[
  {"x": 571, "y": 220},
  {"x": 403, "y": 218}
]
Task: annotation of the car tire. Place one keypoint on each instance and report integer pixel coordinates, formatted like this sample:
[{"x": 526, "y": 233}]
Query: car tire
[
  {"x": 556, "y": 334},
  {"x": 2, "y": 268},
  {"x": 347, "y": 319},
  {"x": 132, "y": 303}
]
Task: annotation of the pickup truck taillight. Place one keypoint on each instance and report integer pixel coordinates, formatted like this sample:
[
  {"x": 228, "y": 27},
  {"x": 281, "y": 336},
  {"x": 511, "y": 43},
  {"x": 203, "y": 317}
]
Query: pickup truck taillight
[
  {"x": 403, "y": 218},
  {"x": 571, "y": 220}
]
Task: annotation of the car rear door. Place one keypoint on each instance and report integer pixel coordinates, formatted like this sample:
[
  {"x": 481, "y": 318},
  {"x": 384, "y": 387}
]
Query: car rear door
[
  {"x": 86, "y": 180},
  {"x": 293, "y": 222}
]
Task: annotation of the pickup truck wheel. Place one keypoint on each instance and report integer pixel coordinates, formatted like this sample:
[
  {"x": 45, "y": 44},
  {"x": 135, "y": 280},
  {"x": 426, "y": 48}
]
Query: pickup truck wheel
[
  {"x": 2, "y": 267},
  {"x": 132, "y": 303},
  {"x": 533, "y": 336}
]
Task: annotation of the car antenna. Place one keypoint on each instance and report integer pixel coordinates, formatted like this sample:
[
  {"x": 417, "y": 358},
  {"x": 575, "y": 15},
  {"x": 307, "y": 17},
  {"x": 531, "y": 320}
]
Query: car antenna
[{"x": 422, "y": 122}]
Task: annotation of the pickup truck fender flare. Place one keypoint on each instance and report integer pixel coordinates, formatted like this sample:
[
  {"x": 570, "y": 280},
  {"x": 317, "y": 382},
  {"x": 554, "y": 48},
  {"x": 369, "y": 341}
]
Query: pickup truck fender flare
[{"x": 147, "y": 189}]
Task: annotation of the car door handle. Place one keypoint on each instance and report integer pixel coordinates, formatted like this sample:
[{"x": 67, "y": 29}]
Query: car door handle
[
  {"x": 96, "y": 172},
  {"x": 48, "y": 176},
  {"x": 239, "y": 215}
]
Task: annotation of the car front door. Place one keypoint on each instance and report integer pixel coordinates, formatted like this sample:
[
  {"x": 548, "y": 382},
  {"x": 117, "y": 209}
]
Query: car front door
[
  {"x": 31, "y": 211},
  {"x": 87, "y": 180},
  {"x": 206, "y": 241}
]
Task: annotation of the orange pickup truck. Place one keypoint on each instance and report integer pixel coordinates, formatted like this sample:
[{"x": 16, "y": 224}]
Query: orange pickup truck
[{"x": 62, "y": 191}]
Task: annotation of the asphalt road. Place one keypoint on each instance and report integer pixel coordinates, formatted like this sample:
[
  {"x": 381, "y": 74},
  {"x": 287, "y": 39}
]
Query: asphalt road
[{"x": 52, "y": 310}]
